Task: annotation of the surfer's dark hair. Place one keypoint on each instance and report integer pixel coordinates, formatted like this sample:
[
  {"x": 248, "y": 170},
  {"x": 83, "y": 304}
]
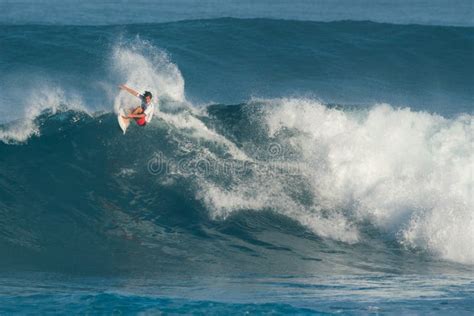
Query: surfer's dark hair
[{"x": 148, "y": 94}]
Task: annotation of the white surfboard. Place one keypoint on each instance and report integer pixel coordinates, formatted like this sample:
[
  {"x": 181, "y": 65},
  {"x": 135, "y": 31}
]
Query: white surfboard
[{"x": 123, "y": 123}]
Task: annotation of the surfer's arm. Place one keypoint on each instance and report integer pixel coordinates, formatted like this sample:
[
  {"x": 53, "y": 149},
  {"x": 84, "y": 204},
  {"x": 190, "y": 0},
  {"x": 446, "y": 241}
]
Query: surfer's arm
[{"x": 129, "y": 90}]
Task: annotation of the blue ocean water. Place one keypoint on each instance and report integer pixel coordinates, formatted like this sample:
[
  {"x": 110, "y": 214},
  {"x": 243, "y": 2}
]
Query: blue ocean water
[{"x": 305, "y": 158}]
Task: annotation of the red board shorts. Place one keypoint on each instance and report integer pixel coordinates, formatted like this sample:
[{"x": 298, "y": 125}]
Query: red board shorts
[{"x": 141, "y": 121}]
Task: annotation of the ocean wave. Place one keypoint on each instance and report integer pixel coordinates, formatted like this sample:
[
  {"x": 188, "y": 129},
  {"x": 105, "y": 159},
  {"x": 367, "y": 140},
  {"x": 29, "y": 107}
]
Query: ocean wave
[
  {"x": 403, "y": 171},
  {"x": 332, "y": 171},
  {"x": 40, "y": 100},
  {"x": 363, "y": 176}
]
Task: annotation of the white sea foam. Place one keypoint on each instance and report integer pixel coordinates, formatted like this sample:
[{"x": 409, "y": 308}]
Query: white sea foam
[
  {"x": 187, "y": 120},
  {"x": 43, "y": 98},
  {"x": 408, "y": 173}
]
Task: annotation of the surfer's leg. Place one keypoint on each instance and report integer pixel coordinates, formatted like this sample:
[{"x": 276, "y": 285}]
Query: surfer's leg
[{"x": 138, "y": 110}]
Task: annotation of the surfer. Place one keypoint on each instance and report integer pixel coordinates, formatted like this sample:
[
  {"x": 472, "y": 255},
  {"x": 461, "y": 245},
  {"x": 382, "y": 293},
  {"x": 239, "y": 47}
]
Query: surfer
[{"x": 143, "y": 113}]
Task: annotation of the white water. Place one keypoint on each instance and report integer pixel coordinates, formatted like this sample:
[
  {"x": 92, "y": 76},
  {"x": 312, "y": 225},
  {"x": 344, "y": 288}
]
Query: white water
[
  {"x": 41, "y": 99},
  {"x": 408, "y": 173}
]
